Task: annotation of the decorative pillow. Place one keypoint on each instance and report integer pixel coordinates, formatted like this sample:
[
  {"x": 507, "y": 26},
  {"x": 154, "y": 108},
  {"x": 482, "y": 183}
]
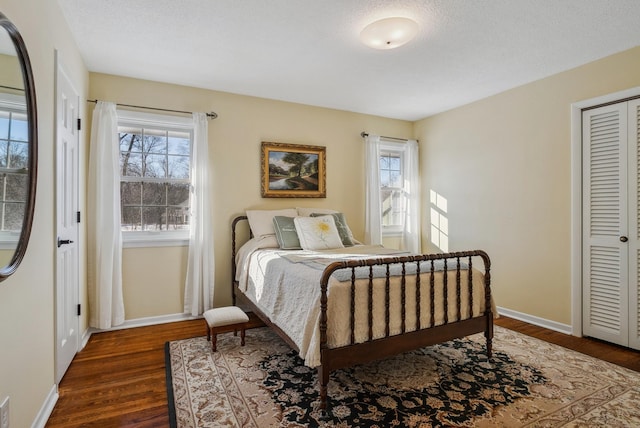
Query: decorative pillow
[
  {"x": 286, "y": 233},
  {"x": 306, "y": 212},
  {"x": 261, "y": 221},
  {"x": 341, "y": 224},
  {"x": 317, "y": 233}
]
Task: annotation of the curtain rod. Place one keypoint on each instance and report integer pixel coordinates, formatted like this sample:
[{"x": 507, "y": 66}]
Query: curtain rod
[
  {"x": 211, "y": 115},
  {"x": 364, "y": 134}
]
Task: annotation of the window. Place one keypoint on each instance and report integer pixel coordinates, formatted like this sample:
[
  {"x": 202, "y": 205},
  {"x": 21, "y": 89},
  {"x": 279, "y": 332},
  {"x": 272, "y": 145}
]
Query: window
[
  {"x": 13, "y": 167},
  {"x": 155, "y": 165},
  {"x": 392, "y": 197}
]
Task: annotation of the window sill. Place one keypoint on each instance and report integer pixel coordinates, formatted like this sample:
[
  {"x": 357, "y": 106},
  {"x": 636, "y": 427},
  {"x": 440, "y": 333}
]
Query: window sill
[
  {"x": 9, "y": 240},
  {"x": 158, "y": 239},
  {"x": 392, "y": 233}
]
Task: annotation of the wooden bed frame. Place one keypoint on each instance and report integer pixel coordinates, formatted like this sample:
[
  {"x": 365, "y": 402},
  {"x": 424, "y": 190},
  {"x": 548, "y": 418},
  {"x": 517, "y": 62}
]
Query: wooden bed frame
[{"x": 375, "y": 349}]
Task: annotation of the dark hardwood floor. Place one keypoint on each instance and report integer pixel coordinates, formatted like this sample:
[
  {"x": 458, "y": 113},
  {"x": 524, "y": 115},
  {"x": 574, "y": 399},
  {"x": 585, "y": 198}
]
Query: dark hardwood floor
[
  {"x": 619, "y": 355},
  {"x": 118, "y": 379}
]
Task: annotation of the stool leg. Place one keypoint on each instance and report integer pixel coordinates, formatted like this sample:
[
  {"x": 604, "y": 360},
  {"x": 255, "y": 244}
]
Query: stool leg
[
  {"x": 208, "y": 332},
  {"x": 242, "y": 337},
  {"x": 214, "y": 341}
]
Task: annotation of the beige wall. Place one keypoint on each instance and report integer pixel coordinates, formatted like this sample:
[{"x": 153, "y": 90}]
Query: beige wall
[
  {"x": 234, "y": 143},
  {"x": 10, "y": 74},
  {"x": 504, "y": 166},
  {"x": 27, "y": 298},
  {"x": 153, "y": 281}
]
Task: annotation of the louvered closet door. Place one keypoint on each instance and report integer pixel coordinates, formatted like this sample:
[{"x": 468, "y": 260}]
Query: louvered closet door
[{"x": 605, "y": 224}]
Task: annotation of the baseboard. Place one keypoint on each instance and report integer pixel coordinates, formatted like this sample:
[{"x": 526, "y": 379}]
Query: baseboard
[
  {"x": 46, "y": 409},
  {"x": 85, "y": 339},
  {"x": 540, "y": 322},
  {"x": 142, "y": 322}
]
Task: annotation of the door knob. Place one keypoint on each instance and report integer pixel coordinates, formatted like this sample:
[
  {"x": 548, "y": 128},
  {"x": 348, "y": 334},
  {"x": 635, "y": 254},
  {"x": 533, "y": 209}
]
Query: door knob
[
  {"x": 64, "y": 242},
  {"x": 623, "y": 239}
]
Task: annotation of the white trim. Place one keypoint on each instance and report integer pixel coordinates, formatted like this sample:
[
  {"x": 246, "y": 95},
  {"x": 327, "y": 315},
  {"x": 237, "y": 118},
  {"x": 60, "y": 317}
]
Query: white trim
[
  {"x": 9, "y": 239},
  {"x": 13, "y": 102},
  {"x": 531, "y": 319},
  {"x": 576, "y": 220},
  {"x": 138, "y": 118},
  {"x": 47, "y": 408},
  {"x": 576, "y": 198},
  {"x": 391, "y": 231},
  {"x": 84, "y": 339},
  {"x": 142, "y": 322},
  {"x": 149, "y": 241}
]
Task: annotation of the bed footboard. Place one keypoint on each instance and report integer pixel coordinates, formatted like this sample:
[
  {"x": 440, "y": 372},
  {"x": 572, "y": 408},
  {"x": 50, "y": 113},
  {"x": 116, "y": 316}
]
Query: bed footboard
[{"x": 412, "y": 270}]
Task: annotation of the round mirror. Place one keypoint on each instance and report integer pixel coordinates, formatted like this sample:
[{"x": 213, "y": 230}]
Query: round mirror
[{"x": 18, "y": 148}]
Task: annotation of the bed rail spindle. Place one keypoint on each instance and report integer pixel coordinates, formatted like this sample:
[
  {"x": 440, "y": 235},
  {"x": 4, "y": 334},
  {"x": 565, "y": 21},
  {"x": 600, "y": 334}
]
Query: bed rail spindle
[
  {"x": 370, "y": 312},
  {"x": 386, "y": 302},
  {"x": 445, "y": 291},
  {"x": 432, "y": 293},
  {"x": 487, "y": 301},
  {"x": 418, "y": 295},
  {"x": 353, "y": 305},
  {"x": 458, "y": 290},
  {"x": 470, "y": 286},
  {"x": 404, "y": 298}
]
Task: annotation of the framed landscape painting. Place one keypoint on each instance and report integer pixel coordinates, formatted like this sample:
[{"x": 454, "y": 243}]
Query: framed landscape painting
[{"x": 293, "y": 171}]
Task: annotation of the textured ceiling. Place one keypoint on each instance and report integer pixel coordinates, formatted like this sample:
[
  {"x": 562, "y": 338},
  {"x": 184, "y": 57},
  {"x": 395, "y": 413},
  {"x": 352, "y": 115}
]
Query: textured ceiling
[{"x": 308, "y": 51}]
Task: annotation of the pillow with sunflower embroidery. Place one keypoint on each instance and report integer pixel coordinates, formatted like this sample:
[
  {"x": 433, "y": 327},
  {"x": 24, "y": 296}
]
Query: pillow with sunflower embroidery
[
  {"x": 343, "y": 229},
  {"x": 317, "y": 233}
]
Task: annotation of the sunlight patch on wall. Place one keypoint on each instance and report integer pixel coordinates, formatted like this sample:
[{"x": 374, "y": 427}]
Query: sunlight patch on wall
[{"x": 439, "y": 221}]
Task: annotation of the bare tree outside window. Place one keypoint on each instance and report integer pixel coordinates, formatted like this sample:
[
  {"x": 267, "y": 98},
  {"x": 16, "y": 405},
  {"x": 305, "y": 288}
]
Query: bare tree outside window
[{"x": 154, "y": 186}]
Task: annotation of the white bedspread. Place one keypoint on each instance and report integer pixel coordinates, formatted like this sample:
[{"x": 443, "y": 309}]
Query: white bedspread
[{"x": 285, "y": 285}]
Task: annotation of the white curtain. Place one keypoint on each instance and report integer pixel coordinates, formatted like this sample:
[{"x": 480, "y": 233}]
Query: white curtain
[
  {"x": 411, "y": 232},
  {"x": 198, "y": 293},
  {"x": 104, "y": 235},
  {"x": 373, "y": 207}
]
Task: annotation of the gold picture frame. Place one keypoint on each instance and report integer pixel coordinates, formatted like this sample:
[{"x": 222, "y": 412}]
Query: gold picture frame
[{"x": 293, "y": 171}]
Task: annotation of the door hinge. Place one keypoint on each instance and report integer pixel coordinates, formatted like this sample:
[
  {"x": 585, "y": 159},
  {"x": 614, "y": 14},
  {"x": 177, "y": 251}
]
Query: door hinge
[
  {"x": 79, "y": 124},
  {"x": 77, "y": 216},
  {"x": 79, "y": 309}
]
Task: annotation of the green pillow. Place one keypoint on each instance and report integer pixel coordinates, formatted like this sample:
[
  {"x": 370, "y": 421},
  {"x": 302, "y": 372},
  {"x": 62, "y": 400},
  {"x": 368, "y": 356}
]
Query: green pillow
[
  {"x": 286, "y": 233},
  {"x": 341, "y": 225}
]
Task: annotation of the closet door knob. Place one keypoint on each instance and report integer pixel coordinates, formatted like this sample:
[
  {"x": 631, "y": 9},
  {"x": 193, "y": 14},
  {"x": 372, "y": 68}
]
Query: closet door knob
[{"x": 623, "y": 239}]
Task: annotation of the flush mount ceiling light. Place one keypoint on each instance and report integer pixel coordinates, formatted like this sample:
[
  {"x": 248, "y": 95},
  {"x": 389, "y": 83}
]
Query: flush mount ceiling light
[{"x": 389, "y": 33}]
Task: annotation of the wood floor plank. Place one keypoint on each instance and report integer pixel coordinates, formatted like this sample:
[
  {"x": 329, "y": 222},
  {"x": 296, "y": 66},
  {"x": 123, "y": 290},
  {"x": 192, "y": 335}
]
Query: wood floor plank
[{"x": 118, "y": 379}]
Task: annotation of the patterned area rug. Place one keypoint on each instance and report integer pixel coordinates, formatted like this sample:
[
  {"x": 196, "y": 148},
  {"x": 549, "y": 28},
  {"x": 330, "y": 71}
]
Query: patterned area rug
[{"x": 528, "y": 382}]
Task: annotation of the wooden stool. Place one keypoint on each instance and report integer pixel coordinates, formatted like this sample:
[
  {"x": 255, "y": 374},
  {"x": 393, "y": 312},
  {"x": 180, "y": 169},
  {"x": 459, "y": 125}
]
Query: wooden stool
[{"x": 223, "y": 320}]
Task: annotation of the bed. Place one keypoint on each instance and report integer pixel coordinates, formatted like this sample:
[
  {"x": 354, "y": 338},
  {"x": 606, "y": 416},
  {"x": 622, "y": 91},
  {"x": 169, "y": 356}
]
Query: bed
[{"x": 353, "y": 304}]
